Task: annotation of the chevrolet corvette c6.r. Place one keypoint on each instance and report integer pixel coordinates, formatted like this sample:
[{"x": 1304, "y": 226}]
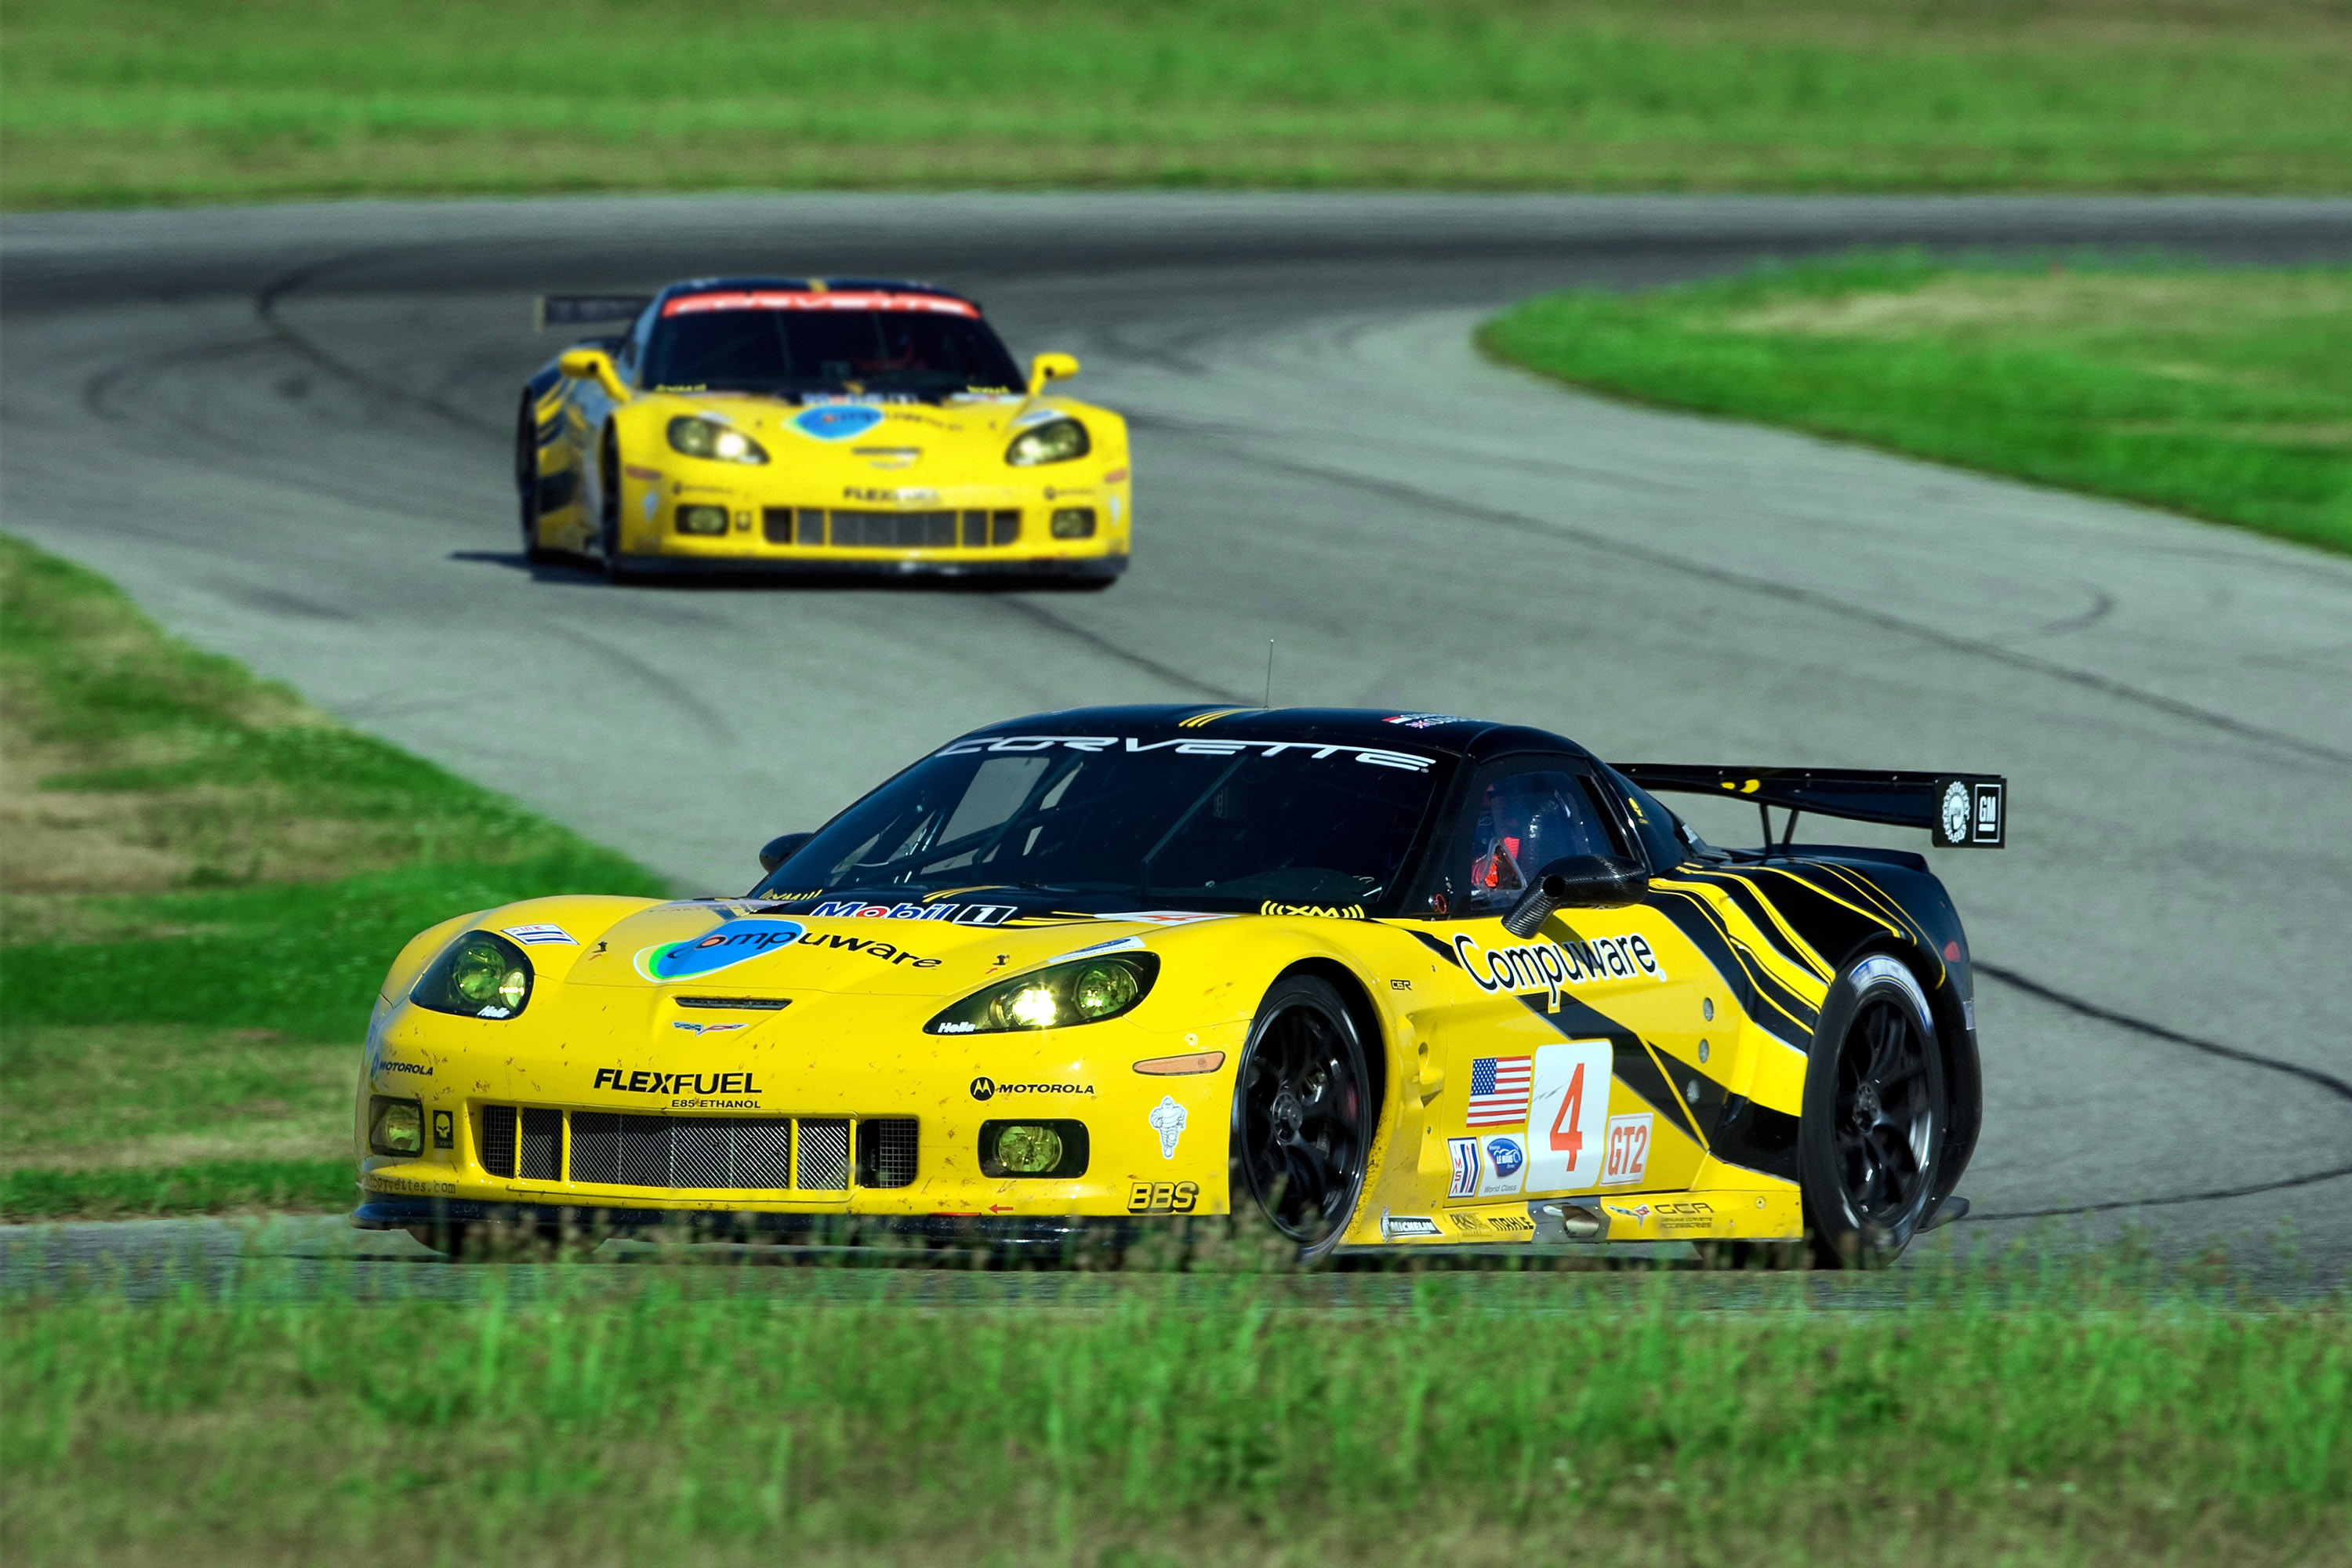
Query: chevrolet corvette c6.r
[
  {"x": 1388, "y": 980},
  {"x": 813, "y": 425}
]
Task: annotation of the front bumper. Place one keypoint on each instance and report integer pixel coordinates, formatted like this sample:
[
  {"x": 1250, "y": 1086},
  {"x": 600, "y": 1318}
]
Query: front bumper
[{"x": 1039, "y": 1234}]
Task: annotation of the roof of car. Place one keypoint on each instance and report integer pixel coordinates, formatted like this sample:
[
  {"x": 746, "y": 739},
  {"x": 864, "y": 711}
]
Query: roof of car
[
  {"x": 1388, "y": 729},
  {"x": 830, "y": 285}
]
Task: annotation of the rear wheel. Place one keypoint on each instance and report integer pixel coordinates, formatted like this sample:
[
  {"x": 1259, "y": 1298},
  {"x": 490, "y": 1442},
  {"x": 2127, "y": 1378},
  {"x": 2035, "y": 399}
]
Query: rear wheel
[
  {"x": 527, "y": 480},
  {"x": 1876, "y": 1117},
  {"x": 1302, "y": 1115}
]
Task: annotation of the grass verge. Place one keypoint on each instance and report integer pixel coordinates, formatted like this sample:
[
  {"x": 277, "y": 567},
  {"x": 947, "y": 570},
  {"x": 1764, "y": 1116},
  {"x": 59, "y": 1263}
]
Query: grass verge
[
  {"x": 1194, "y": 1422},
  {"x": 201, "y": 881},
  {"x": 2224, "y": 394},
  {"x": 137, "y": 102}
]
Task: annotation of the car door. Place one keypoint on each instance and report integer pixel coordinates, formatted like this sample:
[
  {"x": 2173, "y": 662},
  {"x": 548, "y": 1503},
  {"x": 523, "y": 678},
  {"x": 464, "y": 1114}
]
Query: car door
[{"x": 1559, "y": 1049}]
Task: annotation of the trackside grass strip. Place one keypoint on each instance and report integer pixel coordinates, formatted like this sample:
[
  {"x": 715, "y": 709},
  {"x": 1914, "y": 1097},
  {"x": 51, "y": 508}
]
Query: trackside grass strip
[
  {"x": 203, "y": 882},
  {"x": 109, "y": 102},
  {"x": 662, "y": 1423},
  {"x": 2226, "y": 395}
]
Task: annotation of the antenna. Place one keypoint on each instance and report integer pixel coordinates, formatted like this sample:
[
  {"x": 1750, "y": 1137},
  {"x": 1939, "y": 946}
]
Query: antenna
[{"x": 1269, "y": 672}]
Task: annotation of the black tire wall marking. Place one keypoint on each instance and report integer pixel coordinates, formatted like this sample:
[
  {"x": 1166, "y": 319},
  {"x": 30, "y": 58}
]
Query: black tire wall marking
[{"x": 2327, "y": 1081}]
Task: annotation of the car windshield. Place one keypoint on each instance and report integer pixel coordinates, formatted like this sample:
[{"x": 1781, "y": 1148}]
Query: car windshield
[
  {"x": 1209, "y": 823},
  {"x": 915, "y": 353}
]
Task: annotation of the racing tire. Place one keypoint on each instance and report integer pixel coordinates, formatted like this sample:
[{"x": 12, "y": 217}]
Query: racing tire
[
  {"x": 1302, "y": 1122},
  {"x": 617, "y": 571},
  {"x": 1870, "y": 1144},
  {"x": 527, "y": 483}
]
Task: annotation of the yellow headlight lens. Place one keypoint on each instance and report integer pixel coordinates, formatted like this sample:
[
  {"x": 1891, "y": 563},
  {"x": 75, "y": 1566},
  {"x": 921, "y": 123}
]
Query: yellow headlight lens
[
  {"x": 1027, "y": 1151},
  {"x": 1056, "y": 441},
  {"x": 1082, "y": 992},
  {"x": 480, "y": 975},
  {"x": 395, "y": 1126},
  {"x": 699, "y": 437}
]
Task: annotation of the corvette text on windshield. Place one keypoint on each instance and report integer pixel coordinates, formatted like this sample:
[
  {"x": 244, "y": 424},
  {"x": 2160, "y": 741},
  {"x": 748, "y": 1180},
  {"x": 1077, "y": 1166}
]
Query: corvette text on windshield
[{"x": 1314, "y": 750}]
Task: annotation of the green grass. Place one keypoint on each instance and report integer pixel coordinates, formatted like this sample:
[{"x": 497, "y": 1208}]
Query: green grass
[
  {"x": 716, "y": 1417},
  {"x": 126, "y": 101},
  {"x": 2226, "y": 395},
  {"x": 219, "y": 1186},
  {"x": 203, "y": 882}
]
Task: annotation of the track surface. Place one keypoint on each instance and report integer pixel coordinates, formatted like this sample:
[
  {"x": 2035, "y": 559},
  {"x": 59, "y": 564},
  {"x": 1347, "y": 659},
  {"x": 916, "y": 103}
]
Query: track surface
[{"x": 285, "y": 433}]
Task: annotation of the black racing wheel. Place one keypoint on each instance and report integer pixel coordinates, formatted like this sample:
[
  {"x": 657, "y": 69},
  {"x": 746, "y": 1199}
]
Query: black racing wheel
[
  {"x": 1302, "y": 1115},
  {"x": 1877, "y": 1116},
  {"x": 609, "y": 518},
  {"x": 527, "y": 479}
]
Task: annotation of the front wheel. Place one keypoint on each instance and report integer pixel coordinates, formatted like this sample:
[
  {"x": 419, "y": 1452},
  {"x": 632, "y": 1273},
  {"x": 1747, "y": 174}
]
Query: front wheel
[
  {"x": 1877, "y": 1116},
  {"x": 609, "y": 533},
  {"x": 1302, "y": 1115},
  {"x": 527, "y": 480}
]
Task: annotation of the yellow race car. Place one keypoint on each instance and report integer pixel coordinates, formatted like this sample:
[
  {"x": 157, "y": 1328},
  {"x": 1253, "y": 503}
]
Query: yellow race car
[
  {"x": 1388, "y": 980},
  {"x": 815, "y": 424}
]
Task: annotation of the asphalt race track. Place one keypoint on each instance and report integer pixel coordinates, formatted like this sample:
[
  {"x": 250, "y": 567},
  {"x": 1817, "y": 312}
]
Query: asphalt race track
[{"x": 285, "y": 432}]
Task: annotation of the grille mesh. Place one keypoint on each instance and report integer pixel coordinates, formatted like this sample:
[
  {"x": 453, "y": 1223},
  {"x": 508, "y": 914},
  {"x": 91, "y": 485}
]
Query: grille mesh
[
  {"x": 498, "y": 1139},
  {"x": 542, "y": 1146},
  {"x": 825, "y": 1156},
  {"x": 698, "y": 1152},
  {"x": 890, "y": 529},
  {"x": 885, "y": 1152},
  {"x": 894, "y": 529}
]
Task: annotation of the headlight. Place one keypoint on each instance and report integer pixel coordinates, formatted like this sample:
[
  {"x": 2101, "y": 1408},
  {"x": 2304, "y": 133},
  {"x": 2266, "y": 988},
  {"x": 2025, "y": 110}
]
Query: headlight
[
  {"x": 395, "y": 1126},
  {"x": 1055, "y": 441},
  {"x": 479, "y": 975},
  {"x": 1086, "y": 992},
  {"x": 708, "y": 439}
]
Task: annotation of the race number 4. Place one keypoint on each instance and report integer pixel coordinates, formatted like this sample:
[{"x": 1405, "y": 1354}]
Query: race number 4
[
  {"x": 1627, "y": 1156},
  {"x": 1567, "y": 1118}
]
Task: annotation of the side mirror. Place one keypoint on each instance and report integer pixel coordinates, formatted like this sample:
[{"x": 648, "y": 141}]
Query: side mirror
[
  {"x": 1576, "y": 883},
  {"x": 597, "y": 366},
  {"x": 1050, "y": 367},
  {"x": 778, "y": 850}
]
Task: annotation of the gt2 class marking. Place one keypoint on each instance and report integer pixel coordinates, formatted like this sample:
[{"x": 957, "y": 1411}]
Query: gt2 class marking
[
  {"x": 1629, "y": 1150},
  {"x": 1374, "y": 755}
]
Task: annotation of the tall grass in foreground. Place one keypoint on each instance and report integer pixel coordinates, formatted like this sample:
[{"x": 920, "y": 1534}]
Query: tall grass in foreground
[{"x": 689, "y": 1416}]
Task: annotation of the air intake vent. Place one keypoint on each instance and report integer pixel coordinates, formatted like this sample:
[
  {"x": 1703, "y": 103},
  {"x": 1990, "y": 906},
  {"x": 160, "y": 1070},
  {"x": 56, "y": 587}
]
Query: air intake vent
[
  {"x": 737, "y": 1004},
  {"x": 498, "y": 1141},
  {"x": 885, "y": 1152}
]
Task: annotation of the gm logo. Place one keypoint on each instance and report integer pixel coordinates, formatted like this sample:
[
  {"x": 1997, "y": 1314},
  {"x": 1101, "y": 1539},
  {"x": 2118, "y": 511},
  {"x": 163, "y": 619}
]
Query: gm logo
[{"x": 984, "y": 1089}]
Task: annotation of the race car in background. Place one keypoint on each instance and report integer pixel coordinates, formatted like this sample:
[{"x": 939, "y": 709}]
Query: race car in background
[
  {"x": 815, "y": 424},
  {"x": 1388, "y": 980}
]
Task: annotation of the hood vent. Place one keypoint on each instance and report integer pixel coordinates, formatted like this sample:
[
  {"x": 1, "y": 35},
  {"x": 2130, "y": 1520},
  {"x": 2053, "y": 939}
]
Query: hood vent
[{"x": 737, "y": 1004}]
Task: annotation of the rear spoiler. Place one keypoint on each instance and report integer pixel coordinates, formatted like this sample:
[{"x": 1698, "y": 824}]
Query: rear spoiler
[
  {"x": 571, "y": 310},
  {"x": 1964, "y": 811}
]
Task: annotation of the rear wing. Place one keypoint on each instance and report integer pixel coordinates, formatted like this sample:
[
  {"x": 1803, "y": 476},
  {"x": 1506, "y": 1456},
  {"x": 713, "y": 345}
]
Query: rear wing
[
  {"x": 572, "y": 310},
  {"x": 1964, "y": 811}
]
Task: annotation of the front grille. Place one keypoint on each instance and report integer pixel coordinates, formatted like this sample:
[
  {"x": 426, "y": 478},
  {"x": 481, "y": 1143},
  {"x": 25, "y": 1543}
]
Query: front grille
[
  {"x": 894, "y": 529},
  {"x": 498, "y": 1139},
  {"x": 810, "y": 1155},
  {"x": 885, "y": 1152},
  {"x": 542, "y": 1146},
  {"x": 972, "y": 530}
]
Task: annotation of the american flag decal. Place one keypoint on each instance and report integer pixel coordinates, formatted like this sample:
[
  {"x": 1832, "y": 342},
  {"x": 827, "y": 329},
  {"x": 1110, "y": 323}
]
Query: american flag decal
[{"x": 1500, "y": 1088}]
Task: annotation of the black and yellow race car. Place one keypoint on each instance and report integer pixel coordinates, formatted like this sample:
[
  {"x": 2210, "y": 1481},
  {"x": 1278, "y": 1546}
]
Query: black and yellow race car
[
  {"x": 1390, "y": 980},
  {"x": 815, "y": 426}
]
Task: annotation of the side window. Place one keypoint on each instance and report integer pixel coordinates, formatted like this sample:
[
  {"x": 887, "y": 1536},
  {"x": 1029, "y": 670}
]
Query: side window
[
  {"x": 1653, "y": 823},
  {"x": 1521, "y": 816}
]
